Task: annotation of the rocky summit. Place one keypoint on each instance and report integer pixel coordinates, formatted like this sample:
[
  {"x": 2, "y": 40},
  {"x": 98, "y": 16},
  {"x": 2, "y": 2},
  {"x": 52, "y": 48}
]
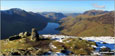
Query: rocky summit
[{"x": 34, "y": 35}]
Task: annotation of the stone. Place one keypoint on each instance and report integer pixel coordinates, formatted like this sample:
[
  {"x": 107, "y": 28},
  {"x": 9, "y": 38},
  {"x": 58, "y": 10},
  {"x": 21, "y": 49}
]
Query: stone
[
  {"x": 31, "y": 48},
  {"x": 104, "y": 49},
  {"x": 26, "y": 34},
  {"x": 80, "y": 38},
  {"x": 34, "y": 35},
  {"x": 21, "y": 34},
  {"x": 14, "y": 37},
  {"x": 15, "y": 53}
]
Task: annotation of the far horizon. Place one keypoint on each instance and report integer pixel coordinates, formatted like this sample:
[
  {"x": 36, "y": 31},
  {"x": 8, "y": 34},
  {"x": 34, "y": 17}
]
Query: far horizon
[
  {"x": 57, "y": 12},
  {"x": 59, "y": 6}
]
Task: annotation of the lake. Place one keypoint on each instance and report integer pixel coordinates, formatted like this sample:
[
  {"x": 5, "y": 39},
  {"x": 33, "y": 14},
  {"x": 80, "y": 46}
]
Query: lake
[{"x": 50, "y": 29}]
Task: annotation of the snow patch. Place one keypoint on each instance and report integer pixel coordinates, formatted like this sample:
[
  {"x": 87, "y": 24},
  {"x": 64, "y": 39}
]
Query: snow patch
[{"x": 110, "y": 40}]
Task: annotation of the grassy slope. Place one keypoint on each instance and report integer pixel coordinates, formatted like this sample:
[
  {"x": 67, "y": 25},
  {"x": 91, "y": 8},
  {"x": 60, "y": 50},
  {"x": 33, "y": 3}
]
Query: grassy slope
[
  {"x": 84, "y": 25},
  {"x": 75, "y": 45},
  {"x": 24, "y": 43}
]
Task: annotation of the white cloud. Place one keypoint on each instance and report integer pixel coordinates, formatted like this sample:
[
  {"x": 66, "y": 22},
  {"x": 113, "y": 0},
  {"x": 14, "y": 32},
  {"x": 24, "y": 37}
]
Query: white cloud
[{"x": 98, "y": 6}]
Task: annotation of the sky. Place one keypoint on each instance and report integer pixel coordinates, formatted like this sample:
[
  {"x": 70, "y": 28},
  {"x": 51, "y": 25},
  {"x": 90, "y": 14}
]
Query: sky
[{"x": 58, "y": 6}]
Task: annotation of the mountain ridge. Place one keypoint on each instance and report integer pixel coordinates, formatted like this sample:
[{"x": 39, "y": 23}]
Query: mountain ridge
[
  {"x": 20, "y": 20},
  {"x": 53, "y": 16},
  {"x": 87, "y": 25}
]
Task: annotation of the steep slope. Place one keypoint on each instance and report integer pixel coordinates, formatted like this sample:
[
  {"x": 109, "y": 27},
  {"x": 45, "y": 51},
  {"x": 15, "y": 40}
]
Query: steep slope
[
  {"x": 17, "y": 20},
  {"x": 85, "y": 25}
]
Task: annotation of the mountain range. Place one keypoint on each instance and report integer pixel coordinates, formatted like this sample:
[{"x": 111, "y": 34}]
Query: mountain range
[
  {"x": 53, "y": 16},
  {"x": 94, "y": 12},
  {"x": 89, "y": 23},
  {"x": 98, "y": 23},
  {"x": 16, "y": 20},
  {"x": 72, "y": 14}
]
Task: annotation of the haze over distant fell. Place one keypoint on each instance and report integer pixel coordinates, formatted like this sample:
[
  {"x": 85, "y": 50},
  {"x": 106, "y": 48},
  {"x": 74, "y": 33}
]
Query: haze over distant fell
[
  {"x": 53, "y": 16},
  {"x": 94, "y": 12}
]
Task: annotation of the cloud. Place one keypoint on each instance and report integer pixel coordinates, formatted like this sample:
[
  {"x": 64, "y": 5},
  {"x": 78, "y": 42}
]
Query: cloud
[{"x": 98, "y": 6}]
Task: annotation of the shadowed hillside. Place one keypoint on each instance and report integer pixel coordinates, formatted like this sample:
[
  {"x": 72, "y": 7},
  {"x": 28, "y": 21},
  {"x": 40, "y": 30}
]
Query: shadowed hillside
[{"x": 17, "y": 20}]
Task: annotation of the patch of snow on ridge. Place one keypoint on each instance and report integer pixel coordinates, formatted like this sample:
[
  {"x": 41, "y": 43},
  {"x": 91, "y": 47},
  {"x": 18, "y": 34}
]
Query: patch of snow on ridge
[
  {"x": 58, "y": 36},
  {"x": 93, "y": 46},
  {"x": 107, "y": 39},
  {"x": 103, "y": 47}
]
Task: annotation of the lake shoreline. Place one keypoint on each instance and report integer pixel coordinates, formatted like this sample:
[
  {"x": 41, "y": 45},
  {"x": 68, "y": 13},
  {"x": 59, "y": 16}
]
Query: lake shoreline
[{"x": 50, "y": 29}]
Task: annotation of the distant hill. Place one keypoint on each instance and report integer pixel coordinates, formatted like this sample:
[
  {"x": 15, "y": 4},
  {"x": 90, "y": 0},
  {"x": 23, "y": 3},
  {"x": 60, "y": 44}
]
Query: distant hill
[
  {"x": 94, "y": 12},
  {"x": 72, "y": 14},
  {"x": 16, "y": 20},
  {"x": 53, "y": 16},
  {"x": 87, "y": 25}
]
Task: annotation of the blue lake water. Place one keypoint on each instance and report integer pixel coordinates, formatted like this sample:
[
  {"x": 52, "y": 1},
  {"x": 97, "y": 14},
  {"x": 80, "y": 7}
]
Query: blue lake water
[{"x": 50, "y": 29}]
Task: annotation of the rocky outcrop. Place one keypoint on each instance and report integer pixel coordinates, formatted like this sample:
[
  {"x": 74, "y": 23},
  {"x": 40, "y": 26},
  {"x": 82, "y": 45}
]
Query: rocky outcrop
[{"x": 34, "y": 36}]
